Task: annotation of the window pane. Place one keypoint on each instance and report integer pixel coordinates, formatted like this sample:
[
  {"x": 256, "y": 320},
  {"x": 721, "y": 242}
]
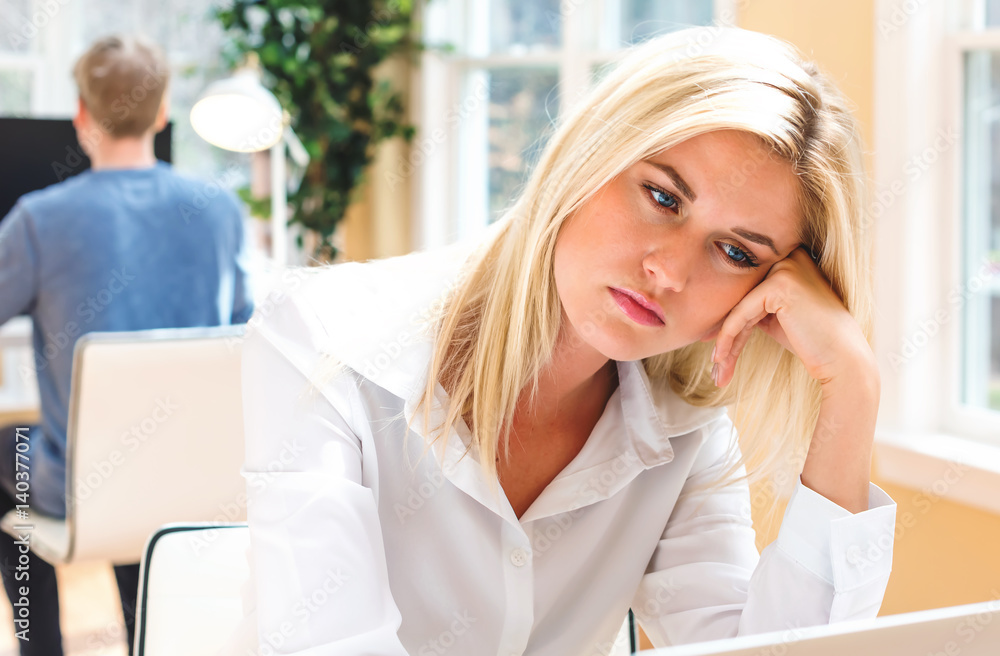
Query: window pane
[
  {"x": 523, "y": 104},
  {"x": 191, "y": 30},
  {"x": 992, "y": 12},
  {"x": 101, "y": 18},
  {"x": 642, "y": 19},
  {"x": 980, "y": 287},
  {"x": 994, "y": 332},
  {"x": 506, "y": 113},
  {"x": 524, "y": 25},
  {"x": 17, "y": 27},
  {"x": 599, "y": 71},
  {"x": 15, "y": 97}
]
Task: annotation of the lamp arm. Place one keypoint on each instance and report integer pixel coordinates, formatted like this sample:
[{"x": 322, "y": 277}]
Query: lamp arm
[
  {"x": 279, "y": 206},
  {"x": 296, "y": 150}
]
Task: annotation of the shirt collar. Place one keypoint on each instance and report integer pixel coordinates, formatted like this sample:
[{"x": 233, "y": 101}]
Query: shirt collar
[
  {"x": 651, "y": 416},
  {"x": 650, "y": 422}
]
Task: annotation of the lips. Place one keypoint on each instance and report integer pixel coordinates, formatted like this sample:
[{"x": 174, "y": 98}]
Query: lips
[{"x": 638, "y": 307}]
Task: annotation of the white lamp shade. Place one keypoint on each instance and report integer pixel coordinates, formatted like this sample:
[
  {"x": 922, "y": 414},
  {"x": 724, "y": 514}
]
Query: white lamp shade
[{"x": 238, "y": 114}]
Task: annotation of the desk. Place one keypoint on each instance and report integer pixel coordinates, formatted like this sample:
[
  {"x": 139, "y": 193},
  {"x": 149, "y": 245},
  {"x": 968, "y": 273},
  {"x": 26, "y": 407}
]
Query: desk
[
  {"x": 16, "y": 333},
  {"x": 18, "y": 392},
  {"x": 970, "y": 630}
]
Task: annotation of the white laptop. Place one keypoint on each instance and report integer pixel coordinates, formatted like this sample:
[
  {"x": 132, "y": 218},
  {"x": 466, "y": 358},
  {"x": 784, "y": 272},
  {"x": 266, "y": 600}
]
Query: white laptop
[{"x": 972, "y": 630}]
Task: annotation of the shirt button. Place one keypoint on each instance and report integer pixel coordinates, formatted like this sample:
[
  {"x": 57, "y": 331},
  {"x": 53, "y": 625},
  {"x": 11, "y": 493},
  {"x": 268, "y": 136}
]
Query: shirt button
[{"x": 518, "y": 557}]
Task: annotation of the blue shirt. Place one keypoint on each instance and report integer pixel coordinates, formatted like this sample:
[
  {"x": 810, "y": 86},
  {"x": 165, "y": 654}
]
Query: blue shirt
[{"x": 114, "y": 250}]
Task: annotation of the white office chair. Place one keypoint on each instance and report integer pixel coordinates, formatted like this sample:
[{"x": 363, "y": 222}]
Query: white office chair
[
  {"x": 191, "y": 592},
  {"x": 155, "y": 435}
]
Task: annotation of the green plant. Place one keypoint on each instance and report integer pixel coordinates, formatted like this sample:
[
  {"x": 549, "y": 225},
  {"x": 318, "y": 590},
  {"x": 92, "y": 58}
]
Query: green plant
[{"x": 318, "y": 57}]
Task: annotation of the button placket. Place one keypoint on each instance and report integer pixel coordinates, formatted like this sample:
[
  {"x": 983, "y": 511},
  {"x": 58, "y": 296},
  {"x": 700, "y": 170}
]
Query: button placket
[
  {"x": 518, "y": 557},
  {"x": 519, "y": 587}
]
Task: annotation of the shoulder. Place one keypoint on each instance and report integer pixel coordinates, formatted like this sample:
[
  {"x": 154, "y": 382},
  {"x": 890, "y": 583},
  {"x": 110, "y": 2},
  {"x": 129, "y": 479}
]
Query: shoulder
[
  {"x": 201, "y": 192},
  {"x": 58, "y": 195},
  {"x": 370, "y": 316}
]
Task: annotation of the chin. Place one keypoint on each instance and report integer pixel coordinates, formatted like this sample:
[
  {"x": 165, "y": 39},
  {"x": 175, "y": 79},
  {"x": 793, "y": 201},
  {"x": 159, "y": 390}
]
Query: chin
[
  {"x": 618, "y": 347},
  {"x": 624, "y": 350}
]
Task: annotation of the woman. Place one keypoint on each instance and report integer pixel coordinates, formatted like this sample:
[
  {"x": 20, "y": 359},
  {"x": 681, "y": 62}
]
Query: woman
[{"x": 501, "y": 448}]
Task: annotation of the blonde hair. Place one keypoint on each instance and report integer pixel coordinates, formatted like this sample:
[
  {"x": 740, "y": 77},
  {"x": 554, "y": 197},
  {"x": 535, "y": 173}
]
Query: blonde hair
[
  {"x": 122, "y": 81},
  {"x": 500, "y": 325}
]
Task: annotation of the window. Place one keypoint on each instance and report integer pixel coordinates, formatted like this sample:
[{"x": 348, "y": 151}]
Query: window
[
  {"x": 513, "y": 66},
  {"x": 936, "y": 209},
  {"x": 23, "y": 24},
  {"x": 41, "y": 41},
  {"x": 981, "y": 226},
  {"x": 978, "y": 60}
]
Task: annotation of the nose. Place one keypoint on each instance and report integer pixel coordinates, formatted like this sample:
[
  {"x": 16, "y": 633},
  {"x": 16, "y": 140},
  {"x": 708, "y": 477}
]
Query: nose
[{"x": 669, "y": 264}]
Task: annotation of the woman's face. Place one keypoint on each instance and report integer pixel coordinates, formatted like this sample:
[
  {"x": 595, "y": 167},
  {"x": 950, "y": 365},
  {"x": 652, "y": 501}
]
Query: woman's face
[{"x": 691, "y": 230}]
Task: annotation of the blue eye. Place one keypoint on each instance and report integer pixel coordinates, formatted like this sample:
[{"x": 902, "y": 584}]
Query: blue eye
[
  {"x": 663, "y": 199},
  {"x": 739, "y": 257}
]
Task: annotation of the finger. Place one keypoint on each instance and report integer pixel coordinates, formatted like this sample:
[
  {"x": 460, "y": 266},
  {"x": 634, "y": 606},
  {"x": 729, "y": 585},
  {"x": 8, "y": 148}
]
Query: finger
[
  {"x": 738, "y": 344},
  {"x": 727, "y": 368},
  {"x": 747, "y": 312},
  {"x": 772, "y": 328},
  {"x": 738, "y": 341},
  {"x": 806, "y": 254}
]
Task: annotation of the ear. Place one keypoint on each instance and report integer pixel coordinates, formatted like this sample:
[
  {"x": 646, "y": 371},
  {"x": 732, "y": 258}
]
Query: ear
[
  {"x": 82, "y": 117},
  {"x": 162, "y": 115}
]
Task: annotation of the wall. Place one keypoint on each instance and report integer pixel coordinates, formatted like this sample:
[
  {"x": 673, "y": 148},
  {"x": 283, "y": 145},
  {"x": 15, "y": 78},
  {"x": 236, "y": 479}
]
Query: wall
[
  {"x": 378, "y": 223},
  {"x": 839, "y": 36}
]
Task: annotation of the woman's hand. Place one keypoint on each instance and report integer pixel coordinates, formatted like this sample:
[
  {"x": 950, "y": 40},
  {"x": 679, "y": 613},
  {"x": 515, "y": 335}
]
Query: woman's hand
[{"x": 796, "y": 306}]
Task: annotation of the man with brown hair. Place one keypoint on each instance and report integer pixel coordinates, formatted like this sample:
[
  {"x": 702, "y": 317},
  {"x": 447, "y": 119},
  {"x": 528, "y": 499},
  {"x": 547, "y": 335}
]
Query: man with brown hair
[{"x": 116, "y": 248}]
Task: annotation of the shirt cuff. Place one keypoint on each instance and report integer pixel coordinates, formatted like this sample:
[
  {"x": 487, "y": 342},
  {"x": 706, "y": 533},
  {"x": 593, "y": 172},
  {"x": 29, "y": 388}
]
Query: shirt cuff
[{"x": 845, "y": 549}]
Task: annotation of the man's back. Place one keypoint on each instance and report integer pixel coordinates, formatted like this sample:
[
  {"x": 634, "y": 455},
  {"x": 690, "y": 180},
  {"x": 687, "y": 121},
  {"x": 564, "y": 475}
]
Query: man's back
[{"x": 115, "y": 250}]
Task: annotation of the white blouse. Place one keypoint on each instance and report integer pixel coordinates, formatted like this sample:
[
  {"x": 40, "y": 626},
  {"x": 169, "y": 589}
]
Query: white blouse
[{"x": 362, "y": 546}]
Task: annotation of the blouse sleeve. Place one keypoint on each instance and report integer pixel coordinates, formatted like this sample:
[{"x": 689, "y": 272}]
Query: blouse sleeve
[
  {"x": 318, "y": 557},
  {"x": 705, "y": 580}
]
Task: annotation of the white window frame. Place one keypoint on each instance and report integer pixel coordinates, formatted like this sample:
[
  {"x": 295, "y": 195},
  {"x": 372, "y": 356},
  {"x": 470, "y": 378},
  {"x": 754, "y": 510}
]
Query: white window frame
[
  {"x": 924, "y": 430},
  {"x": 965, "y": 418},
  {"x": 49, "y": 49},
  {"x": 441, "y": 214}
]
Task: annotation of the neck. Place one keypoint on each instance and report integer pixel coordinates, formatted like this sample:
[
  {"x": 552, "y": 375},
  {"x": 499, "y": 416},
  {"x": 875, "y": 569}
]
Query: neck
[
  {"x": 124, "y": 153},
  {"x": 576, "y": 377}
]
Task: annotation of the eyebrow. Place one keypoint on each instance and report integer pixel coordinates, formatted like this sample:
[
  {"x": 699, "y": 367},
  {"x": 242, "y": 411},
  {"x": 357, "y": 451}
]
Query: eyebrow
[
  {"x": 749, "y": 235},
  {"x": 677, "y": 179},
  {"x": 756, "y": 238}
]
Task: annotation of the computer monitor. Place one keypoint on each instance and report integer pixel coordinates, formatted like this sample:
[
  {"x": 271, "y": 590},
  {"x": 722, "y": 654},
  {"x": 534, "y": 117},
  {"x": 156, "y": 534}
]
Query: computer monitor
[
  {"x": 38, "y": 152},
  {"x": 970, "y": 630}
]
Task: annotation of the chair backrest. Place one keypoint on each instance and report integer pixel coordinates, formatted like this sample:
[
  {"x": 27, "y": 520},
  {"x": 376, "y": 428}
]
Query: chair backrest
[
  {"x": 155, "y": 436},
  {"x": 191, "y": 592}
]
